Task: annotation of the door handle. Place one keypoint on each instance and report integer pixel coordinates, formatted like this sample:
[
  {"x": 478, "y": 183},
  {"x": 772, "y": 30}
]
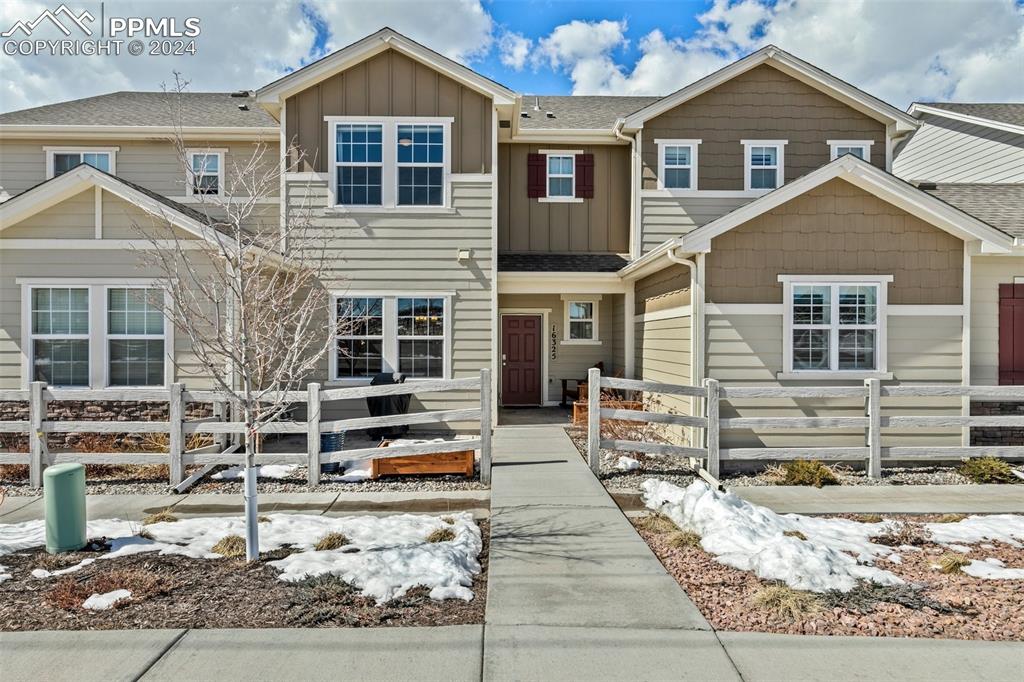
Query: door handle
[{"x": 504, "y": 360}]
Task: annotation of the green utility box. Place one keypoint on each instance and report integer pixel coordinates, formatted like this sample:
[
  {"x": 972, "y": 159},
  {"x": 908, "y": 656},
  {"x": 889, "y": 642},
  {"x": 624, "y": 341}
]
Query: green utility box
[{"x": 64, "y": 502}]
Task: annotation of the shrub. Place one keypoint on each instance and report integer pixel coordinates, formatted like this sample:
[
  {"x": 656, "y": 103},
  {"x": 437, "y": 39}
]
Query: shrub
[
  {"x": 904, "y": 533},
  {"x": 230, "y": 546},
  {"x": 951, "y": 518},
  {"x": 330, "y": 541},
  {"x": 807, "y": 472},
  {"x": 69, "y": 593},
  {"x": 785, "y": 602},
  {"x": 441, "y": 535},
  {"x": 684, "y": 539},
  {"x": 656, "y": 523},
  {"x": 869, "y": 518},
  {"x": 794, "y": 534},
  {"x": 164, "y": 516},
  {"x": 988, "y": 470},
  {"x": 953, "y": 563}
]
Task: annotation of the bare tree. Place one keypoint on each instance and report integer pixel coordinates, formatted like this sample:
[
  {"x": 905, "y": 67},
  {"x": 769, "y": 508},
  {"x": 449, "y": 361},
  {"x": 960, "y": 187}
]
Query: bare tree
[{"x": 249, "y": 296}]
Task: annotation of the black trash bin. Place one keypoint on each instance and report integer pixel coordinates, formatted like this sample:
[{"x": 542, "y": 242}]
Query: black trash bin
[{"x": 382, "y": 406}]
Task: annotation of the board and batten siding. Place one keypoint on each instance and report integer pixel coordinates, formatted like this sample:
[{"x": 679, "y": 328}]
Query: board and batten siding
[
  {"x": 597, "y": 225},
  {"x": 942, "y": 150},
  {"x": 760, "y": 104},
  {"x": 665, "y": 217},
  {"x": 987, "y": 273},
  {"x": 406, "y": 252},
  {"x": 390, "y": 84}
]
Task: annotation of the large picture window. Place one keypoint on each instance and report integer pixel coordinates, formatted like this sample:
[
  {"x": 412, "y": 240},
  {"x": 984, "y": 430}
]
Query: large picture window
[
  {"x": 60, "y": 160},
  {"x": 135, "y": 337},
  {"x": 60, "y": 335}
]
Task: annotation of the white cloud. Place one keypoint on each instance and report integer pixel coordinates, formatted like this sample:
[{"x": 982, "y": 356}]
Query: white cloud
[
  {"x": 899, "y": 51},
  {"x": 242, "y": 44},
  {"x": 514, "y": 49}
]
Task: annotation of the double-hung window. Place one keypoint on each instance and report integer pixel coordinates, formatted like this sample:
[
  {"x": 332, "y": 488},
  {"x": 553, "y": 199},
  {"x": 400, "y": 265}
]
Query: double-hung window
[
  {"x": 61, "y": 160},
  {"x": 859, "y": 148},
  {"x": 561, "y": 175},
  {"x": 764, "y": 164},
  {"x": 835, "y": 326},
  {"x": 206, "y": 172},
  {"x": 390, "y": 163},
  {"x": 677, "y": 164},
  {"x": 580, "y": 324},
  {"x": 60, "y": 335},
  {"x": 135, "y": 337},
  {"x": 407, "y": 333}
]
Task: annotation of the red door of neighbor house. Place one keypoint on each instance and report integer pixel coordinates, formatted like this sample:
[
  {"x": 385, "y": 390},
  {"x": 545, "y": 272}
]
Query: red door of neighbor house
[
  {"x": 520, "y": 360},
  {"x": 1011, "y": 334}
]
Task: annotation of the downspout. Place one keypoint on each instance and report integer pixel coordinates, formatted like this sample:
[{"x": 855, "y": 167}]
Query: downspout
[
  {"x": 634, "y": 195},
  {"x": 696, "y": 333}
]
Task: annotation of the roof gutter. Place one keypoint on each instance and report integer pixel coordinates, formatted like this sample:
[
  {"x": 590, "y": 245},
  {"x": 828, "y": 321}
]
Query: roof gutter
[{"x": 63, "y": 132}]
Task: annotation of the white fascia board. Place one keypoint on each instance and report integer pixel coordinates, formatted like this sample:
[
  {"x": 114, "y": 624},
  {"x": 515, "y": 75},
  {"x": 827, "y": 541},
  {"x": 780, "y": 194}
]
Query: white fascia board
[
  {"x": 100, "y": 132},
  {"x": 275, "y": 93},
  {"x": 560, "y": 283},
  {"x": 652, "y": 261},
  {"x": 917, "y": 109},
  {"x": 870, "y": 179},
  {"x": 559, "y": 136}
]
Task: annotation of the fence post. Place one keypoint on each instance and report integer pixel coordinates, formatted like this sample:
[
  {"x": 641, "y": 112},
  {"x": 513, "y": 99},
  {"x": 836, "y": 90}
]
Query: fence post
[
  {"x": 36, "y": 437},
  {"x": 175, "y": 415},
  {"x": 485, "y": 426},
  {"x": 313, "y": 434},
  {"x": 220, "y": 411},
  {"x": 712, "y": 432},
  {"x": 594, "y": 419},
  {"x": 874, "y": 431}
]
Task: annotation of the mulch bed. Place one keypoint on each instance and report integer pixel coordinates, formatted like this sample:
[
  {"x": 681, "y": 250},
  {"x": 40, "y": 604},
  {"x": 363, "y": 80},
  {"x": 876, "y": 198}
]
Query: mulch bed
[
  {"x": 946, "y": 606},
  {"x": 180, "y": 592}
]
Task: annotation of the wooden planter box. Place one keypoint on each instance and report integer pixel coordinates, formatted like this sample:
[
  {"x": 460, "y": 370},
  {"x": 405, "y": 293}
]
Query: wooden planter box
[
  {"x": 579, "y": 408},
  {"x": 461, "y": 462}
]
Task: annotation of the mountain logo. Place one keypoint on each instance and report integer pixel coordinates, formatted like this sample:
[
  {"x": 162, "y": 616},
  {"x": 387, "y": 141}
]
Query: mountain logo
[{"x": 54, "y": 17}]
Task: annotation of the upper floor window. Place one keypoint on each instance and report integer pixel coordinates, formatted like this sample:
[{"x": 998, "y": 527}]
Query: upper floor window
[
  {"x": 60, "y": 160},
  {"x": 859, "y": 148},
  {"x": 764, "y": 164},
  {"x": 561, "y": 175},
  {"x": 206, "y": 172},
  {"x": 677, "y": 164},
  {"x": 390, "y": 162}
]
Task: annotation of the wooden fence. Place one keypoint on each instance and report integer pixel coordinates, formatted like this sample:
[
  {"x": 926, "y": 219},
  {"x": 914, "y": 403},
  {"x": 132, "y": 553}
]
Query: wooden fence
[
  {"x": 872, "y": 453},
  {"x": 219, "y": 426}
]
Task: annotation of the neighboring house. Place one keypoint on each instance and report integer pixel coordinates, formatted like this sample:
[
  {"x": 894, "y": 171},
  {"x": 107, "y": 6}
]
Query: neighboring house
[{"x": 748, "y": 227}]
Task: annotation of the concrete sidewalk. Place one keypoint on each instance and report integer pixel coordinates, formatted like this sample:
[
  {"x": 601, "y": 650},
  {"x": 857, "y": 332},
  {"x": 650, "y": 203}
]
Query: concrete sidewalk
[{"x": 888, "y": 499}]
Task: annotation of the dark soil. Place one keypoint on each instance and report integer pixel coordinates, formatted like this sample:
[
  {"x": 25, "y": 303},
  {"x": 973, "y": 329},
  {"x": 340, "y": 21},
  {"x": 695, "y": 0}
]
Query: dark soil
[{"x": 216, "y": 593}]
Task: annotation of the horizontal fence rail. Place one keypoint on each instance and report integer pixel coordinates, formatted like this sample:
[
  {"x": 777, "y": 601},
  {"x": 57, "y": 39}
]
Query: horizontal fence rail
[
  {"x": 710, "y": 424},
  {"x": 224, "y": 430}
]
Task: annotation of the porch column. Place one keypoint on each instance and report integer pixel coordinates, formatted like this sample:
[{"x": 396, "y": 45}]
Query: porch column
[{"x": 630, "y": 330}]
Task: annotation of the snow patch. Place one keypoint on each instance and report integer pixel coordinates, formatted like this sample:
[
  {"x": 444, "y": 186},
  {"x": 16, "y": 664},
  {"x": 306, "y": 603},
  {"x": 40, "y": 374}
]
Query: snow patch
[
  {"x": 993, "y": 569},
  {"x": 627, "y": 464},
  {"x": 102, "y": 602},
  {"x": 4, "y": 575},
  {"x": 263, "y": 471},
  {"x": 43, "y": 573}
]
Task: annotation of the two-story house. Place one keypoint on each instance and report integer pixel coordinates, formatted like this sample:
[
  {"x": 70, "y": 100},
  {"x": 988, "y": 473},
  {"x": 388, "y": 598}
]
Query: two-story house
[{"x": 748, "y": 227}]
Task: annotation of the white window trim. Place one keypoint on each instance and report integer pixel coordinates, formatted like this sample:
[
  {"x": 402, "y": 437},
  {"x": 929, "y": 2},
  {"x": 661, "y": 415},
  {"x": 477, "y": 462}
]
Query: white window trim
[
  {"x": 567, "y": 300},
  {"x": 693, "y": 145},
  {"x": 389, "y": 162},
  {"x": 190, "y": 190},
  {"x": 547, "y": 187},
  {"x": 389, "y": 343},
  {"x": 107, "y": 336},
  {"x": 780, "y": 165},
  {"x": 881, "y": 326},
  {"x": 834, "y": 145},
  {"x": 98, "y": 369},
  {"x": 51, "y": 151}
]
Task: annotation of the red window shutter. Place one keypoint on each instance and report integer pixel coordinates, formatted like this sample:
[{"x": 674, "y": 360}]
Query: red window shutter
[
  {"x": 585, "y": 176},
  {"x": 1011, "y": 334},
  {"x": 536, "y": 176}
]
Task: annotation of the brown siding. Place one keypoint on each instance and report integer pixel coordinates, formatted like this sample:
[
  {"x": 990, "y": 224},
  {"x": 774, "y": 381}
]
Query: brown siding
[
  {"x": 761, "y": 104},
  {"x": 667, "y": 288},
  {"x": 598, "y": 225},
  {"x": 836, "y": 229},
  {"x": 391, "y": 84}
]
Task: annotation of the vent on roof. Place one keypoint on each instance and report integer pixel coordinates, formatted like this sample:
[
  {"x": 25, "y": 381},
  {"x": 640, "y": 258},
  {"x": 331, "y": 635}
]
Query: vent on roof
[
  {"x": 243, "y": 107},
  {"x": 536, "y": 103},
  {"x": 524, "y": 114},
  {"x": 550, "y": 114},
  {"x": 240, "y": 93},
  {"x": 927, "y": 185}
]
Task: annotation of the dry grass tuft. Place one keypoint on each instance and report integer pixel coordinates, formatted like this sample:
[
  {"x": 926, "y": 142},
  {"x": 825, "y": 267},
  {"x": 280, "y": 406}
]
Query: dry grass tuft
[
  {"x": 684, "y": 539},
  {"x": 230, "y": 546},
  {"x": 869, "y": 518},
  {"x": 55, "y": 562},
  {"x": 68, "y": 593},
  {"x": 441, "y": 535},
  {"x": 953, "y": 563},
  {"x": 951, "y": 518},
  {"x": 330, "y": 541},
  {"x": 262, "y": 519},
  {"x": 449, "y": 520},
  {"x": 807, "y": 472},
  {"x": 904, "y": 533},
  {"x": 988, "y": 470},
  {"x": 656, "y": 523},
  {"x": 164, "y": 516},
  {"x": 785, "y": 602},
  {"x": 794, "y": 534}
]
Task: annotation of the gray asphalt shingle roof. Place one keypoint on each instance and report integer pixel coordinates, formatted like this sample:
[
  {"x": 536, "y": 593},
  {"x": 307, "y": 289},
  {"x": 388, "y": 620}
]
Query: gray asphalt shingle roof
[
  {"x": 1004, "y": 112},
  {"x": 569, "y": 112},
  {"x": 1001, "y": 206},
  {"x": 199, "y": 109},
  {"x": 560, "y": 262}
]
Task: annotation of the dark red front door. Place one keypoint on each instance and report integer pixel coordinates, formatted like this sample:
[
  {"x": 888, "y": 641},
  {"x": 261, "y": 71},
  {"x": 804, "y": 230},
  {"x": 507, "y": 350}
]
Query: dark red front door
[
  {"x": 1011, "y": 334},
  {"x": 520, "y": 364}
]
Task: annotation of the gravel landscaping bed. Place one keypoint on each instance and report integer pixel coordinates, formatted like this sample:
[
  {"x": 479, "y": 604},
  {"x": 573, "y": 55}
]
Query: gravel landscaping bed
[
  {"x": 922, "y": 475},
  {"x": 932, "y": 604},
  {"x": 672, "y": 469},
  {"x": 172, "y": 591}
]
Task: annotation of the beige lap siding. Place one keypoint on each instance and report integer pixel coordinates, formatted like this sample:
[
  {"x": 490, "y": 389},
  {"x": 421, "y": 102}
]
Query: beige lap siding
[
  {"x": 403, "y": 252},
  {"x": 987, "y": 273},
  {"x": 665, "y": 217}
]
